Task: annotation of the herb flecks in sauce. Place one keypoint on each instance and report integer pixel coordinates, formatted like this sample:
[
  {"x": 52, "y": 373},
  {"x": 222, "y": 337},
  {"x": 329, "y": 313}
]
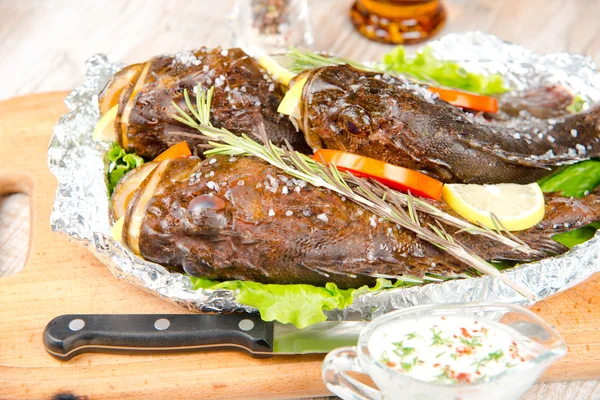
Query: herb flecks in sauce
[{"x": 452, "y": 350}]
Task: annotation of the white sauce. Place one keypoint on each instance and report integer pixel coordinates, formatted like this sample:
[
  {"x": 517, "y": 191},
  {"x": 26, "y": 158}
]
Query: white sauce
[{"x": 453, "y": 349}]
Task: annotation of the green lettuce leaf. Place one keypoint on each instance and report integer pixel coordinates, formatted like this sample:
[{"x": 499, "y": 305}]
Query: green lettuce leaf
[
  {"x": 119, "y": 163},
  {"x": 577, "y": 236},
  {"x": 425, "y": 67},
  {"x": 575, "y": 180},
  {"x": 301, "y": 305}
]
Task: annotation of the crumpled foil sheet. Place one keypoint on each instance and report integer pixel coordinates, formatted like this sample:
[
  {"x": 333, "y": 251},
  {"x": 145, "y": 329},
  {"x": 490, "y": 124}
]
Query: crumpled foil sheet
[{"x": 81, "y": 205}]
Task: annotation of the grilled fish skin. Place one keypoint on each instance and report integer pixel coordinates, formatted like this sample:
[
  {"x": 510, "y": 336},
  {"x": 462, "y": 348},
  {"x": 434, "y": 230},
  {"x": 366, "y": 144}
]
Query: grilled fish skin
[
  {"x": 240, "y": 218},
  {"x": 244, "y": 98},
  {"x": 401, "y": 123},
  {"x": 562, "y": 214}
]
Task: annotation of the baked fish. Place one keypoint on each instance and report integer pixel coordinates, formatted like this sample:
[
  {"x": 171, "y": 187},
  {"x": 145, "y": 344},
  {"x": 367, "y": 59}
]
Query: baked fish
[
  {"x": 241, "y": 218},
  {"x": 244, "y": 98},
  {"x": 390, "y": 119}
]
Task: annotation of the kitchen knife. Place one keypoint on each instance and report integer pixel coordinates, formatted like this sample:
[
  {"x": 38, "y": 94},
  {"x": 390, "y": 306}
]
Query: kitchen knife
[{"x": 69, "y": 335}]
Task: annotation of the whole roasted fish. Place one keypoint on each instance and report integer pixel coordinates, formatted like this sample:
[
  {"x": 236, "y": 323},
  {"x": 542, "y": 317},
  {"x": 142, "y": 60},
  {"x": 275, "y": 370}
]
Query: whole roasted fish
[
  {"x": 241, "y": 218},
  {"x": 244, "y": 98},
  {"x": 404, "y": 124}
]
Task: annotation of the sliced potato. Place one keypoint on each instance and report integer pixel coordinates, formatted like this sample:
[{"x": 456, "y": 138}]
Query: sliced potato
[
  {"x": 141, "y": 198},
  {"x": 127, "y": 186},
  {"x": 112, "y": 91}
]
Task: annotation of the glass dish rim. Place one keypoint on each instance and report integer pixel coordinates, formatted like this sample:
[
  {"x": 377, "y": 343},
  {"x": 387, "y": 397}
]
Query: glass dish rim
[{"x": 558, "y": 350}]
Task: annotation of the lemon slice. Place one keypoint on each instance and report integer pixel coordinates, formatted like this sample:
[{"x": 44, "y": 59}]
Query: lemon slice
[
  {"x": 518, "y": 207},
  {"x": 117, "y": 229},
  {"x": 105, "y": 128},
  {"x": 281, "y": 74},
  {"x": 290, "y": 104}
]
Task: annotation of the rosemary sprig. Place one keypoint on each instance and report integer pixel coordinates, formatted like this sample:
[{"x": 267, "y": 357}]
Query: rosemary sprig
[
  {"x": 359, "y": 190},
  {"x": 301, "y": 60}
]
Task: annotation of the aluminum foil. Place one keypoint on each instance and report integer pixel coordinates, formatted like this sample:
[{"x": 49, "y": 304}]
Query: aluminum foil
[{"x": 81, "y": 205}]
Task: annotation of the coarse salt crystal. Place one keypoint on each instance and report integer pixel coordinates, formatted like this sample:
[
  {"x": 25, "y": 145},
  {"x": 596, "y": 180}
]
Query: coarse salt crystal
[
  {"x": 550, "y": 139},
  {"x": 323, "y": 217},
  {"x": 574, "y": 132},
  {"x": 205, "y": 68},
  {"x": 372, "y": 221},
  {"x": 306, "y": 213},
  {"x": 284, "y": 190},
  {"x": 289, "y": 213},
  {"x": 271, "y": 87},
  {"x": 212, "y": 161},
  {"x": 224, "y": 53},
  {"x": 297, "y": 189},
  {"x": 232, "y": 159},
  {"x": 271, "y": 213},
  {"x": 212, "y": 185},
  {"x": 241, "y": 182}
]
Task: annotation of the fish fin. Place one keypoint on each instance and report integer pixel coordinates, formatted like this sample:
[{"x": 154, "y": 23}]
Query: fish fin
[{"x": 507, "y": 156}]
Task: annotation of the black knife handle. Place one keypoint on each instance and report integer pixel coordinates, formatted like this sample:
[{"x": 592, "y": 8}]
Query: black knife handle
[{"x": 69, "y": 335}]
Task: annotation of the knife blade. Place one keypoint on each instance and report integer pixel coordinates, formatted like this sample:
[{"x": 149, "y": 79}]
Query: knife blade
[{"x": 67, "y": 336}]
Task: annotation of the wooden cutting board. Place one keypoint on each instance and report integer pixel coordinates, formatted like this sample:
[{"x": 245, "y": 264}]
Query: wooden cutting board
[{"x": 60, "y": 277}]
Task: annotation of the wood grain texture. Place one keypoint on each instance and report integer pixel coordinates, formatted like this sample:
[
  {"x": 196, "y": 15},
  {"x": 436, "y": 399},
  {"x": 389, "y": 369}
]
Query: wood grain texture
[
  {"x": 43, "y": 46},
  {"x": 62, "y": 278},
  {"x": 47, "y": 43},
  {"x": 14, "y": 232}
]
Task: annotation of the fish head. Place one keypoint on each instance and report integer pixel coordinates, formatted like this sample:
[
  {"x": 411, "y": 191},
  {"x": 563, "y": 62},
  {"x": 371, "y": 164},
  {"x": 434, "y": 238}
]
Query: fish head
[{"x": 342, "y": 108}]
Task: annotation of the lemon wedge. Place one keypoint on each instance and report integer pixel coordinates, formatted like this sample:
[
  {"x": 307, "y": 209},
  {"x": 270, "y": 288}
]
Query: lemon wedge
[
  {"x": 117, "y": 229},
  {"x": 290, "y": 104},
  {"x": 105, "y": 128},
  {"x": 281, "y": 74},
  {"x": 518, "y": 207}
]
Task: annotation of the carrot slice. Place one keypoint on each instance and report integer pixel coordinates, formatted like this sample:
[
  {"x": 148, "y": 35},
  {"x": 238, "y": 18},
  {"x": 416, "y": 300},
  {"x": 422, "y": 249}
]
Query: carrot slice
[
  {"x": 467, "y": 100},
  {"x": 399, "y": 178},
  {"x": 180, "y": 149}
]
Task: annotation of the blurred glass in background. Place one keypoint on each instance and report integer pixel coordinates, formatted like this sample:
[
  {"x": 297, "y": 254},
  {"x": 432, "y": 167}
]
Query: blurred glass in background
[
  {"x": 398, "y": 21},
  {"x": 270, "y": 26}
]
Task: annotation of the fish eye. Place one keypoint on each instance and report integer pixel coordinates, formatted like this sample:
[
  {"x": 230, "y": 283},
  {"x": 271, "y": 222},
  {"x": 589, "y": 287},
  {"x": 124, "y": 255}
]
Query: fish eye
[
  {"x": 355, "y": 121},
  {"x": 200, "y": 204},
  {"x": 204, "y": 212}
]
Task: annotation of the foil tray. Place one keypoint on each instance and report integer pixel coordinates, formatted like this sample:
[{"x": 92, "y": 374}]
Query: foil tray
[{"x": 81, "y": 207}]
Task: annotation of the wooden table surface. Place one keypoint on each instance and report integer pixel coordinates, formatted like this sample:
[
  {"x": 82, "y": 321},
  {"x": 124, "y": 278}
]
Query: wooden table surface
[{"x": 43, "y": 46}]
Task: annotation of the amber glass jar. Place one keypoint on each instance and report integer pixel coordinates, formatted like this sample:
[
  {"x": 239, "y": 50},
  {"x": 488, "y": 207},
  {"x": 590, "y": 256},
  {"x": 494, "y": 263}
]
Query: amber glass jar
[{"x": 398, "y": 21}]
